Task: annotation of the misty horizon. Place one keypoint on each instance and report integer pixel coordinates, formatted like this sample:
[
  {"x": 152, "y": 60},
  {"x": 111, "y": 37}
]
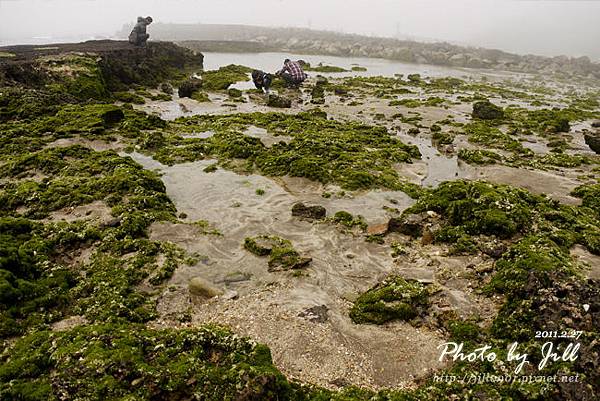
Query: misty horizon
[{"x": 548, "y": 28}]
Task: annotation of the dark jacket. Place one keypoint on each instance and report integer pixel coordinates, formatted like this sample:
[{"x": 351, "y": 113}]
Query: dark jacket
[
  {"x": 138, "y": 34},
  {"x": 262, "y": 80}
]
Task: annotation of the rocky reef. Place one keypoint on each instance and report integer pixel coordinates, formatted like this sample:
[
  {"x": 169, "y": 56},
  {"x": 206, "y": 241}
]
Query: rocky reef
[{"x": 112, "y": 283}]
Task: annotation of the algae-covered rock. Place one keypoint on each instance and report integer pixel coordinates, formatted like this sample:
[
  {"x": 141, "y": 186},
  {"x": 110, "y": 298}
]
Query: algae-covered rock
[
  {"x": 203, "y": 288},
  {"x": 262, "y": 245},
  {"x": 201, "y": 97},
  {"x": 308, "y": 212},
  {"x": 224, "y": 77},
  {"x": 412, "y": 224},
  {"x": 282, "y": 255},
  {"x": 166, "y": 88},
  {"x": 112, "y": 116},
  {"x": 593, "y": 141},
  {"x": 317, "y": 95},
  {"x": 393, "y": 299},
  {"x": 486, "y": 110},
  {"x": 279, "y": 101},
  {"x": 235, "y": 93},
  {"x": 414, "y": 78},
  {"x": 348, "y": 220},
  {"x": 324, "y": 68},
  {"x": 129, "y": 97},
  {"x": 152, "y": 364},
  {"x": 189, "y": 87},
  {"x": 287, "y": 259}
]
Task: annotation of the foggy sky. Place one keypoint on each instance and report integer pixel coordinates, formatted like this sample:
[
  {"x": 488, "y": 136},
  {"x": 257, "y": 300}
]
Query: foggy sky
[{"x": 543, "y": 27}]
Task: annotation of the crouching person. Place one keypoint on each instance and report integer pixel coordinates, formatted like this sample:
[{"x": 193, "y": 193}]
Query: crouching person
[
  {"x": 292, "y": 73},
  {"x": 262, "y": 80},
  {"x": 138, "y": 35}
]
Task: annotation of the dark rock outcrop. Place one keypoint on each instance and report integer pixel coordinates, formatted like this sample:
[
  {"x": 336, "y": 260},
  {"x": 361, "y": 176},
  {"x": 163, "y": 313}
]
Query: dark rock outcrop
[
  {"x": 279, "y": 102},
  {"x": 309, "y": 212},
  {"x": 593, "y": 141},
  {"x": 114, "y": 116},
  {"x": 486, "y": 110},
  {"x": 119, "y": 63},
  {"x": 416, "y": 225},
  {"x": 189, "y": 87},
  {"x": 408, "y": 225}
]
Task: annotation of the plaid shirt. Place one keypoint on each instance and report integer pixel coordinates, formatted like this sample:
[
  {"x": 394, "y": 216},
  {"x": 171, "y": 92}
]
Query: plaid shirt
[{"x": 295, "y": 70}]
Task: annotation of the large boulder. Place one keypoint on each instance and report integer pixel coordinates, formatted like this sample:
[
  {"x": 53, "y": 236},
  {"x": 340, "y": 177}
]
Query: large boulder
[
  {"x": 309, "y": 212},
  {"x": 486, "y": 110}
]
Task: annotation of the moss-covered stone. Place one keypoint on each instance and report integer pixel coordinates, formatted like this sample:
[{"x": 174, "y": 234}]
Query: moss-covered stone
[
  {"x": 189, "y": 87},
  {"x": 278, "y": 101},
  {"x": 222, "y": 78},
  {"x": 486, "y": 110},
  {"x": 324, "y": 68},
  {"x": 282, "y": 255},
  {"x": 348, "y": 220},
  {"x": 393, "y": 299}
]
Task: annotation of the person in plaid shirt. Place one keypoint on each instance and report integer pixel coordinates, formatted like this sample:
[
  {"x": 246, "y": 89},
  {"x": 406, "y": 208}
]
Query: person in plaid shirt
[{"x": 292, "y": 73}]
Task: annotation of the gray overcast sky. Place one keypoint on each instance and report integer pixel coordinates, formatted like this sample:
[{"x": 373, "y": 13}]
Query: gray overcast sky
[{"x": 569, "y": 27}]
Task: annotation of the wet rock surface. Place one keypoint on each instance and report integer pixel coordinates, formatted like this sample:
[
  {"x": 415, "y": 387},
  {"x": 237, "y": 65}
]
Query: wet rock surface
[
  {"x": 189, "y": 87},
  {"x": 593, "y": 141},
  {"x": 309, "y": 212},
  {"x": 202, "y": 288},
  {"x": 279, "y": 102}
]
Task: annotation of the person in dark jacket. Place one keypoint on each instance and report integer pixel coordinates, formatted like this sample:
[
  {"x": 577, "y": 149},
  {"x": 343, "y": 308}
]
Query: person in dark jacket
[
  {"x": 262, "y": 80},
  {"x": 138, "y": 35},
  {"x": 292, "y": 73}
]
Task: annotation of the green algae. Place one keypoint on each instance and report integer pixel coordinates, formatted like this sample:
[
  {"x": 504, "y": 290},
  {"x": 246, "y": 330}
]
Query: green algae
[
  {"x": 134, "y": 361},
  {"x": 77, "y": 176},
  {"x": 479, "y": 156},
  {"x": 282, "y": 255},
  {"x": 393, "y": 299},
  {"x": 486, "y": 110},
  {"x": 481, "y": 208},
  {"x": 224, "y": 77},
  {"x": 129, "y": 97},
  {"x": 325, "y": 68},
  {"x": 201, "y": 97},
  {"x": 539, "y": 257},
  {"x": 483, "y": 133},
  {"x": 80, "y": 76},
  {"x": 29, "y": 283},
  {"x": 354, "y": 155},
  {"x": 347, "y": 220}
]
